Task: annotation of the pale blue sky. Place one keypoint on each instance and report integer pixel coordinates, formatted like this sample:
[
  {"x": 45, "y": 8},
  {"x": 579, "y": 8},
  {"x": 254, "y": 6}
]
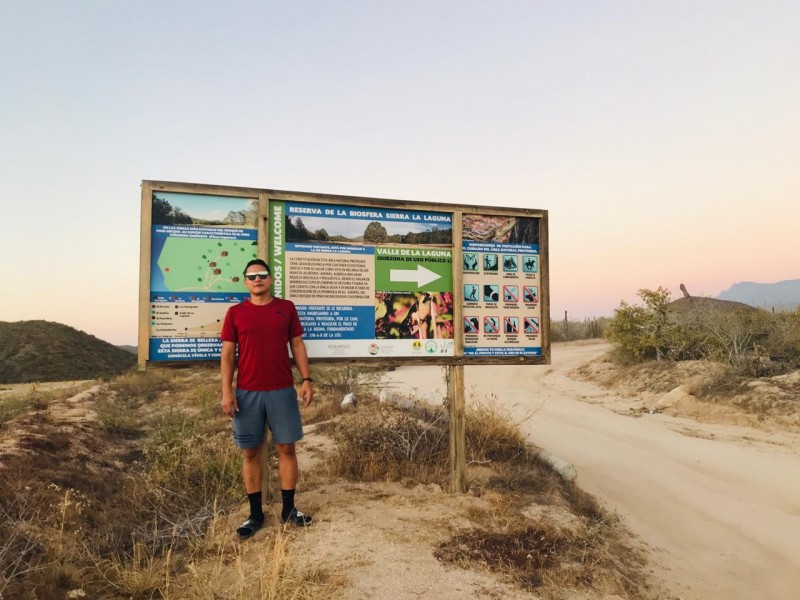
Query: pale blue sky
[{"x": 663, "y": 137}]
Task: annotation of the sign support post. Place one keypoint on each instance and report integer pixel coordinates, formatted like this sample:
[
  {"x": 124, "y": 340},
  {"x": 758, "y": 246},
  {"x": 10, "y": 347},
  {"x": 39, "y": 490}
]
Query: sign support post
[{"x": 455, "y": 402}]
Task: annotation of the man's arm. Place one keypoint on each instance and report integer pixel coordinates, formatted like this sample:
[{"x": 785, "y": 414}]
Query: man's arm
[
  {"x": 301, "y": 360},
  {"x": 229, "y": 405}
]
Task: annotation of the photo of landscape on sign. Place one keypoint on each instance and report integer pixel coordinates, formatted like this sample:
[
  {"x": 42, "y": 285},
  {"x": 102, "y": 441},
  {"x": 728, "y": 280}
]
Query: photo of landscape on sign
[
  {"x": 367, "y": 281},
  {"x": 323, "y": 223},
  {"x": 500, "y": 257},
  {"x": 201, "y": 209},
  {"x": 501, "y": 230}
]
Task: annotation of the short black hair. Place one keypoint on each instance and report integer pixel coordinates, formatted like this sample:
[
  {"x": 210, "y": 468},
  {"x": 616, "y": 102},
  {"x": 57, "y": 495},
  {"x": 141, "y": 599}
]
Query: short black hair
[{"x": 257, "y": 261}]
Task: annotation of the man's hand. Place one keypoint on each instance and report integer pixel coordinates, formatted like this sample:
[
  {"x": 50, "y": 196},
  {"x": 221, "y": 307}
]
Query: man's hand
[
  {"x": 229, "y": 404},
  {"x": 306, "y": 393}
]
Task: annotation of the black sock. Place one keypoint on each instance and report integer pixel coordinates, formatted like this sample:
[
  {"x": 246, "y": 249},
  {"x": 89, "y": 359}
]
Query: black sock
[
  {"x": 256, "y": 512},
  {"x": 288, "y": 503}
]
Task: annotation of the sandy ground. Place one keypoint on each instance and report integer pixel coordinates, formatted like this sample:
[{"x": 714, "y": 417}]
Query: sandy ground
[
  {"x": 718, "y": 505},
  {"x": 382, "y": 541}
]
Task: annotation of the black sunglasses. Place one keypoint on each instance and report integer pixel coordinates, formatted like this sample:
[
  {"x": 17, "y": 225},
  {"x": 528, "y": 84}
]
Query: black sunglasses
[{"x": 260, "y": 275}]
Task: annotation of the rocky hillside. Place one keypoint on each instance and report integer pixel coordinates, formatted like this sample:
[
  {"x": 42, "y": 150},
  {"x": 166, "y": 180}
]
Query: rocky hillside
[{"x": 47, "y": 351}]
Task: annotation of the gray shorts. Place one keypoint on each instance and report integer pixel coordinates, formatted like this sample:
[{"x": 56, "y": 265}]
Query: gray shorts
[{"x": 277, "y": 410}]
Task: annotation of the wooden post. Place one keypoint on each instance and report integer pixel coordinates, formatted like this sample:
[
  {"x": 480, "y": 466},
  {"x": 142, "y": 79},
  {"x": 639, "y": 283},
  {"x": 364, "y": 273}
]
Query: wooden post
[
  {"x": 455, "y": 373},
  {"x": 145, "y": 242},
  {"x": 455, "y": 397},
  {"x": 263, "y": 226}
]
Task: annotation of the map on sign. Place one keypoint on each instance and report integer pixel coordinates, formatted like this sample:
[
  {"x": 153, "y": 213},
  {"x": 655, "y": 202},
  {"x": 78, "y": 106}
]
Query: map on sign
[
  {"x": 199, "y": 247},
  {"x": 201, "y": 265}
]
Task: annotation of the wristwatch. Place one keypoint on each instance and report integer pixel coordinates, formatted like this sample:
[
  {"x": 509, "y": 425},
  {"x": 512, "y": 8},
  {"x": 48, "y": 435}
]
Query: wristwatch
[{"x": 308, "y": 379}]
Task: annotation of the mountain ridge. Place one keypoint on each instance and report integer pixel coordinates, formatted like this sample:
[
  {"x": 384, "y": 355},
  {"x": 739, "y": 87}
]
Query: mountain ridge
[{"x": 781, "y": 295}]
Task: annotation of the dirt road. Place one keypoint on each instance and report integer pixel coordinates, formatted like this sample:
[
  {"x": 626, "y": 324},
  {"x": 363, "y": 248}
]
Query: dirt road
[{"x": 718, "y": 505}]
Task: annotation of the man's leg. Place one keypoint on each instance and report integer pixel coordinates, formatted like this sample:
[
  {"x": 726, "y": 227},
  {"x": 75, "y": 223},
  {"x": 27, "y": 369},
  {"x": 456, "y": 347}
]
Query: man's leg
[
  {"x": 287, "y": 466},
  {"x": 248, "y": 432},
  {"x": 251, "y": 469},
  {"x": 287, "y": 474},
  {"x": 283, "y": 416},
  {"x": 251, "y": 474}
]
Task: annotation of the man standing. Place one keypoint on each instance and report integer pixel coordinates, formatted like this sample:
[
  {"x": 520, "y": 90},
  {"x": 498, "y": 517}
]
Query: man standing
[{"x": 261, "y": 327}]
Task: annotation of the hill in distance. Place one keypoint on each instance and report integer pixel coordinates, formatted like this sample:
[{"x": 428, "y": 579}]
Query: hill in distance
[
  {"x": 46, "y": 351},
  {"x": 703, "y": 303},
  {"x": 783, "y": 295}
]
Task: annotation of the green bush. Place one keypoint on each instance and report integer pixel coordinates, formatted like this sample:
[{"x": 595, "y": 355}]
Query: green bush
[
  {"x": 643, "y": 332},
  {"x": 753, "y": 341}
]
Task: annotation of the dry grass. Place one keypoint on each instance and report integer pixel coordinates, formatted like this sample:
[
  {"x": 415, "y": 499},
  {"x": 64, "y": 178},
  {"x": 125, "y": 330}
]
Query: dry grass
[
  {"x": 387, "y": 443},
  {"x": 138, "y": 387},
  {"x": 34, "y": 398},
  {"x": 491, "y": 435},
  {"x": 150, "y": 514},
  {"x": 131, "y": 516},
  {"x": 548, "y": 559},
  {"x": 547, "y": 536},
  {"x": 325, "y": 407}
]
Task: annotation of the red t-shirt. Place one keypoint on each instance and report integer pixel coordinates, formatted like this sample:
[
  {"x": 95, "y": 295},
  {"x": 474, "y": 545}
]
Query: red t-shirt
[{"x": 262, "y": 333}]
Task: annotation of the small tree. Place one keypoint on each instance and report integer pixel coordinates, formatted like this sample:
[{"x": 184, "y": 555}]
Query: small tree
[
  {"x": 643, "y": 331},
  {"x": 376, "y": 233},
  {"x": 162, "y": 211}
]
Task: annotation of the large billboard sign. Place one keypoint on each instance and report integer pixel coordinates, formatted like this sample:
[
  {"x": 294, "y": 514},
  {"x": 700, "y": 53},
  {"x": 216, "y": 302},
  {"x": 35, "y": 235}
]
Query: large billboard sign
[{"x": 373, "y": 280}]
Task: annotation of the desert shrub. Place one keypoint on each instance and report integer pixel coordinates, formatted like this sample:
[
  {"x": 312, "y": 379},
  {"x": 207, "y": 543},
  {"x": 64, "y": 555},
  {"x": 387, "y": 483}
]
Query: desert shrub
[
  {"x": 725, "y": 336},
  {"x": 545, "y": 558},
  {"x": 390, "y": 444},
  {"x": 191, "y": 465},
  {"x": 394, "y": 444},
  {"x": 754, "y": 342},
  {"x": 13, "y": 406},
  {"x": 342, "y": 379},
  {"x": 782, "y": 340},
  {"x": 644, "y": 331},
  {"x": 324, "y": 408},
  {"x": 570, "y": 330},
  {"x": 491, "y": 435},
  {"x": 21, "y": 546},
  {"x": 118, "y": 413},
  {"x": 140, "y": 386}
]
